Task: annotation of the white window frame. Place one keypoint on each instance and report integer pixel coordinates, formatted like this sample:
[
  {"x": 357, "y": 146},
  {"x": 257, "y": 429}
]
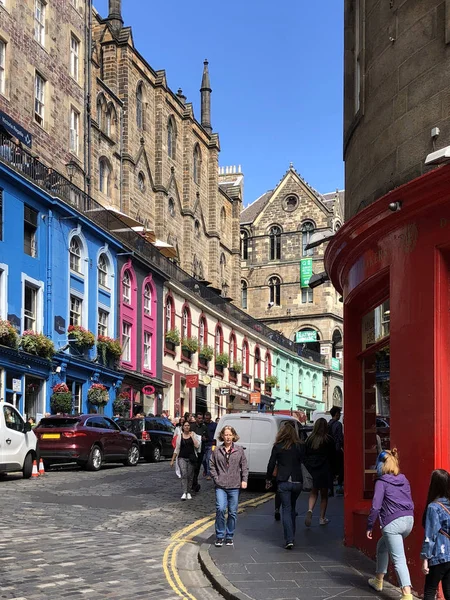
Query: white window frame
[
  {"x": 185, "y": 323},
  {"x": 74, "y": 57},
  {"x": 2, "y": 65},
  {"x": 147, "y": 350},
  {"x": 79, "y": 256},
  {"x": 201, "y": 333},
  {"x": 3, "y": 290},
  {"x": 74, "y": 141},
  {"x": 39, "y": 21},
  {"x": 100, "y": 312},
  {"x": 39, "y": 286},
  {"x": 125, "y": 338},
  {"x": 126, "y": 287},
  {"x": 105, "y": 173},
  {"x": 39, "y": 99},
  {"x": 148, "y": 300},
  {"x": 79, "y": 312},
  {"x": 103, "y": 273},
  {"x": 307, "y": 296}
]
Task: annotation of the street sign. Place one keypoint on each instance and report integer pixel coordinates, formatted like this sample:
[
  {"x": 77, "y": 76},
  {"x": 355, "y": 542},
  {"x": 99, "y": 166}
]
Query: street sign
[
  {"x": 306, "y": 271},
  {"x": 305, "y": 336},
  {"x": 255, "y": 397},
  {"x": 17, "y": 385},
  {"x": 15, "y": 129},
  {"x": 192, "y": 381},
  {"x": 224, "y": 391}
]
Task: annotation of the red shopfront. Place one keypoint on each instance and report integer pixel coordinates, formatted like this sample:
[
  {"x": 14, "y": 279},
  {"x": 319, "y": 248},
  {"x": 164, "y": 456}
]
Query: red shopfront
[{"x": 393, "y": 269}]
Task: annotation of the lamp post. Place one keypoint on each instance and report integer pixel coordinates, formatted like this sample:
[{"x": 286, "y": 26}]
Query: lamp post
[{"x": 71, "y": 170}]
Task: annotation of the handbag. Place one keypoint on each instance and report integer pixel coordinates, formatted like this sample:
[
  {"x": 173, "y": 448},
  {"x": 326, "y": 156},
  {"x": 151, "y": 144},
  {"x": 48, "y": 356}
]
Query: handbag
[{"x": 307, "y": 479}]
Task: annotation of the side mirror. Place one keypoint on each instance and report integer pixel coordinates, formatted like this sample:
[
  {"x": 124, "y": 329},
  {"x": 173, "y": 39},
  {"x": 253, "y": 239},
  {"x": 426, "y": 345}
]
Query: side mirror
[{"x": 27, "y": 427}]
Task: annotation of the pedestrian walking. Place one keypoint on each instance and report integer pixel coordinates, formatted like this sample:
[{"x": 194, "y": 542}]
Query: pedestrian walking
[
  {"x": 200, "y": 429},
  {"x": 287, "y": 456},
  {"x": 436, "y": 545},
  {"x": 336, "y": 431},
  {"x": 185, "y": 454},
  {"x": 229, "y": 470},
  {"x": 177, "y": 431},
  {"x": 211, "y": 427},
  {"x": 392, "y": 504},
  {"x": 319, "y": 460}
]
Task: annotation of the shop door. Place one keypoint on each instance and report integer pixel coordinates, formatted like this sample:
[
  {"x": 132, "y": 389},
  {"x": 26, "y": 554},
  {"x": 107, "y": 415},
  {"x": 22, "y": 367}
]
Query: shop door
[
  {"x": 201, "y": 399},
  {"x": 33, "y": 398}
]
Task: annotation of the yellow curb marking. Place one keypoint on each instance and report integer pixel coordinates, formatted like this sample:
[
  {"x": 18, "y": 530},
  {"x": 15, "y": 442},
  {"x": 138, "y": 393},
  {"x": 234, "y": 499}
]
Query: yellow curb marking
[{"x": 185, "y": 536}]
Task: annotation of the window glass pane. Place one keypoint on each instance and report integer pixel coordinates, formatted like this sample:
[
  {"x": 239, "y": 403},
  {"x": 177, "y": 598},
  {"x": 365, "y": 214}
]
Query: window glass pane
[{"x": 375, "y": 324}]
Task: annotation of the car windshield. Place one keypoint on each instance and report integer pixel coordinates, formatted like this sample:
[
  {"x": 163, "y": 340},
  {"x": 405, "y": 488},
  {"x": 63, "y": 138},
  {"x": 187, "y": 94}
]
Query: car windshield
[{"x": 59, "y": 422}]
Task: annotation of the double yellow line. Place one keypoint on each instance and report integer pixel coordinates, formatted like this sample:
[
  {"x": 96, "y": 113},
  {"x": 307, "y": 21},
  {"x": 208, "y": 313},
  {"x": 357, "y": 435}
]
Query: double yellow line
[{"x": 185, "y": 536}]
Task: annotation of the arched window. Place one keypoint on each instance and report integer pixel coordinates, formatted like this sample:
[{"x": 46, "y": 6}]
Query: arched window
[
  {"x": 275, "y": 291},
  {"x": 257, "y": 371},
  {"x": 170, "y": 314},
  {"x": 197, "y": 164},
  {"x": 147, "y": 299},
  {"x": 104, "y": 184},
  {"x": 245, "y": 358},
  {"x": 141, "y": 181},
  {"x": 278, "y": 369},
  {"x": 223, "y": 265},
  {"x": 314, "y": 386},
  {"x": 288, "y": 377},
  {"x": 202, "y": 332},
  {"x": 171, "y": 207},
  {"x": 102, "y": 271},
  {"x": 223, "y": 217},
  {"x": 185, "y": 323},
  {"x": 268, "y": 365},
  {"x": 337, "y": 396},
  {"x": 139, "y": 107},
  {"x": 75, "y": 255},
  {"x": 244, "y": 244},
  {"x": 307, "y": 229},
  {"x": 108, "y": 123},
  {"x": 233, "y": 349},
  {"x": 300, "y": 381},
  {"x": 197, "y": 228},
  {"x": 126, "y": 287},
  {"x": 337, "y": 344},
  {"x": 171, "y": 138},
  {"x": 101, "y": 105},
  {"x": 244, "y": 289},
  {"x": 275, "y": 243},
  {"x": 218, "y": 347}
]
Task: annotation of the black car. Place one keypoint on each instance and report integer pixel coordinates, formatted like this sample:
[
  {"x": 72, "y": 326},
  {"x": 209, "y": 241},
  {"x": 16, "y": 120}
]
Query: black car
[{"x": 154, "y": 435}]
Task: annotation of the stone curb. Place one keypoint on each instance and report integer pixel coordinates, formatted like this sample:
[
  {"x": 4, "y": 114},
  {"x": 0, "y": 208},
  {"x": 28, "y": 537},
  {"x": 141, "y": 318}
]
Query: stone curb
[{"x": 219, "y": 582}]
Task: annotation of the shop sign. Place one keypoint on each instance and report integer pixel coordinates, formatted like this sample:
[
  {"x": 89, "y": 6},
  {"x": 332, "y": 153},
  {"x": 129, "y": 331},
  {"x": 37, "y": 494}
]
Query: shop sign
[
  {"x": 324, "y": 350},
  {"x": 305, "y": 336},
  {"x": 224, "y": 391},
  {"x": 148, "y": 390},
  {"x": 255, "y": 397},
  {"x": 335, "y": 364},
  {"x": 306, "y": 271},
  {"x": 15, "y": 129},
  {"x": 17, "y": 385},
  {"x": 192, "y": 381}
]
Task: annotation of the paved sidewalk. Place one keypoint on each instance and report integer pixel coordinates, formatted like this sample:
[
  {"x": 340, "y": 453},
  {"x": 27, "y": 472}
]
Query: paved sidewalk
[{"x": 319, "y": 566}]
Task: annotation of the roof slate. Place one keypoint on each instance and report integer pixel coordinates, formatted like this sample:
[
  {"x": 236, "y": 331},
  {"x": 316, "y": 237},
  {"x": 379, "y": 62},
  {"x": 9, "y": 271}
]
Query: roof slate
[{"x": 249, "y": 214}]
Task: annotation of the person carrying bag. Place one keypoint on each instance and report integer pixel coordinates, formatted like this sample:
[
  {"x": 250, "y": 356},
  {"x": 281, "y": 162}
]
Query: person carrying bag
[{"x": 185, "y": 454}]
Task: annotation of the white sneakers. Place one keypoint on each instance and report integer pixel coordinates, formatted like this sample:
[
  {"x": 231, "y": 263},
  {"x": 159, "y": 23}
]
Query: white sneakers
[
  {"x": 189, "y": 497},
  {"x": 183, "y": 497},
  {"x": 186, "y": 497}
]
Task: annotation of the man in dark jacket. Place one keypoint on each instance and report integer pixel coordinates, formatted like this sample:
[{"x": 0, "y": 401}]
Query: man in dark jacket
[
  {"x": 336, "y": 431},
  {"x": 200, "y": 429}
]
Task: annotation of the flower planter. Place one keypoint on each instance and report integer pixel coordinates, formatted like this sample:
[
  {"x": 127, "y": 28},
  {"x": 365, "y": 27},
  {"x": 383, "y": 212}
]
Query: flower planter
[
  {"x": 170, "y": 346},
  {"x": 203, "y": 363},
  {"x": 233, "y": 374},
  {"x": 218, "y": 369},
  {"x": 186, "y": 354},
  {"x": 98, "y": 395}
]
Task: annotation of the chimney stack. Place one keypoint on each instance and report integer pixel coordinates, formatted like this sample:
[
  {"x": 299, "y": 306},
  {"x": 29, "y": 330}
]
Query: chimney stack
[
  {"x": 205, "y": 92},
  {"x": 115, "y": 15}
]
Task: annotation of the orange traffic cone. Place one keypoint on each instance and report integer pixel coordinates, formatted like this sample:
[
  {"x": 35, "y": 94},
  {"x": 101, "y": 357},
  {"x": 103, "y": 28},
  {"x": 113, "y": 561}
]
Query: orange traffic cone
[
  {"x": 34, "y": 472},
  {"x": 41, "y": 467}
]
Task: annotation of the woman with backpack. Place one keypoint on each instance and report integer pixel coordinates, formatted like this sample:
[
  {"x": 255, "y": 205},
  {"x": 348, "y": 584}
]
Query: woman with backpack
[
  {"x": 319, "y": 461},
  {"x": 186, "y": 456},
  {"x": 436, "y": 545},
  {"x": 287, "y": 457},
  {"x": 392, "y": 504}
]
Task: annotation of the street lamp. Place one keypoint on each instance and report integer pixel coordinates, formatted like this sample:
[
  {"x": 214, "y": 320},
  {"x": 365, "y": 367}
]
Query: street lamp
[{"x": 71, "y": 169}]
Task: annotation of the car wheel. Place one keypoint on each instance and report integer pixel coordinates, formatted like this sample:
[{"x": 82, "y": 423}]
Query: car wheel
[
  {"x": 133, "y": 456},
  {"x": 95, "y": 460},
  {"x": 27, "y": 466},
  {"x": 156, "y": 454}
]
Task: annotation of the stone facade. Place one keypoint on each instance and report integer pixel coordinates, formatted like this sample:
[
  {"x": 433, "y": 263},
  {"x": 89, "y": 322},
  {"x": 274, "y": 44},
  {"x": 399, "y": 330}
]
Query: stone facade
[
  {"x": 270, "y": 268},
  {"x": 396, "y": 90},
  {"x": 145, "y": 154}
]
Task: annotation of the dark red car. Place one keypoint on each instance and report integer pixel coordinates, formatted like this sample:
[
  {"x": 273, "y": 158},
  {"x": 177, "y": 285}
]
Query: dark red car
[{"x": 88, "y": 440}]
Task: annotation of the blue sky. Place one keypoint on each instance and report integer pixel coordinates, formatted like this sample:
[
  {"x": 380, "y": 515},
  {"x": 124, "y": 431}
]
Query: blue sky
[{"x": 276, "y": 75}]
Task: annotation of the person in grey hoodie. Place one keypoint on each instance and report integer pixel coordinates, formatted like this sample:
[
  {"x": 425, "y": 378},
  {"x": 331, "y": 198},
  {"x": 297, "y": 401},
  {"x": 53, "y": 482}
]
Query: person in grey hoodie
[{"x": 392, "y": 504}]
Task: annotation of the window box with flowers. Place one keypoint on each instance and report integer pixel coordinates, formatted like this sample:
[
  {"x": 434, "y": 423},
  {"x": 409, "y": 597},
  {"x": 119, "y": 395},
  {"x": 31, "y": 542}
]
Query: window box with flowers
[
  {"x": 61, "y": 399},
  {"x": 234, "y": 369},
  {"x": 109, "y": 350},
  {"x": 188, "y": 347},
  {"x": 204, "y": 356},
  {"x": 98, "y": 394},
  {"x": 38, "y": 344},
  {"x": 122, "y": 404},
  {"x": 8, "y": 335},
  {"x": 270, "y": 382},
  {"x": 80, "y": 339},
  {"x": 221, "y": 361},
  {"x": 172, "y": 340}
]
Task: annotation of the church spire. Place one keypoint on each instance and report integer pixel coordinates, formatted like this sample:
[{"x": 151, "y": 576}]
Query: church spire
[{"x": 205, "y": 92}]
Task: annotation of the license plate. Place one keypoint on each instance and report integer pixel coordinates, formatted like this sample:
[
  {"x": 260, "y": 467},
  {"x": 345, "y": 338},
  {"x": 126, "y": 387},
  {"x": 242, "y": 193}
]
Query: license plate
[{"x": 51, "y": 436}]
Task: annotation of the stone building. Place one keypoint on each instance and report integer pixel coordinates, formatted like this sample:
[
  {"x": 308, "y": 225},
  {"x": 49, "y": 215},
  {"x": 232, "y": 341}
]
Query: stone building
[
  {"x": 275, "y": 230},
  {"x": 97, "y": 111}
]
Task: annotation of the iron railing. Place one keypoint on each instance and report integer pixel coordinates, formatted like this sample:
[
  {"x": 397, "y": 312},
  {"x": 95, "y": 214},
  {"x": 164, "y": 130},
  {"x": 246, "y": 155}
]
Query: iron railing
[{"x": 57, "y": 185}]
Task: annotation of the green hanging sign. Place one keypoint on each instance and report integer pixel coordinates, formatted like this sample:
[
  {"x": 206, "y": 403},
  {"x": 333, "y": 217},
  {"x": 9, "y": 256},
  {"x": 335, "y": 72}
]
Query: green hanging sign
[{"x": 306, "y": 271}]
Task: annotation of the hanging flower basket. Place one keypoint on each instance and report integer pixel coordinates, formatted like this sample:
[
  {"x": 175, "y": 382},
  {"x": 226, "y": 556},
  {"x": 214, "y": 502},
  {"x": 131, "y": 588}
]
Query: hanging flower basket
[
  {"x": 38, "y": 344},
  {"x": 173, "y": 336},
  {"x": 8, "y": 335},
  {"x": 236, "y": 367},
  {"x": 98, "y": 394},
  {"x": 81, "y": 337},
  {"x": 189, "y": 344},
  {"x": 222, "y": 359},
  {"x": 122, "y": 403},
  {"x": 108, "y": 348},
  {"x": 61, "y": 399},
  {"x": 206, "y": 352}
]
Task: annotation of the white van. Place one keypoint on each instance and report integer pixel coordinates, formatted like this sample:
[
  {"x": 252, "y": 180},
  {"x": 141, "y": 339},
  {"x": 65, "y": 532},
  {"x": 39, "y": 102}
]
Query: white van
[
  {"x": 257, "y": 433},
  {"x": 18, "y": 442},
  {"x": 321, "y": 414}
]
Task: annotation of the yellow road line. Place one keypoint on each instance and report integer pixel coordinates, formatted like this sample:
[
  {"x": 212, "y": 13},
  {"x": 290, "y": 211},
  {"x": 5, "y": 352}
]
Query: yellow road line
[{"x": 186, "y": 535}]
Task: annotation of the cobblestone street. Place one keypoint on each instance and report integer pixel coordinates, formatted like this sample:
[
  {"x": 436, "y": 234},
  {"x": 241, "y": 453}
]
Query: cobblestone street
[{"x": 98, "y": 535}]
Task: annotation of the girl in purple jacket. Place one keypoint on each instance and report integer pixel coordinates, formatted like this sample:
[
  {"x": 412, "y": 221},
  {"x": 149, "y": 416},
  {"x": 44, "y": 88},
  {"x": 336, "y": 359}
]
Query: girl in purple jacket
[{"x": 393, "y": 506}]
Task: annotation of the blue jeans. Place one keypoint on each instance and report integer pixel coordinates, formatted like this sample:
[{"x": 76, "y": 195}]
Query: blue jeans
[
  {"x": 289, "y": 492},
  {"x": 206, "y": 459},
  {"x": 391, "y": 543},
  {"x": 226, "y": 499}
]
